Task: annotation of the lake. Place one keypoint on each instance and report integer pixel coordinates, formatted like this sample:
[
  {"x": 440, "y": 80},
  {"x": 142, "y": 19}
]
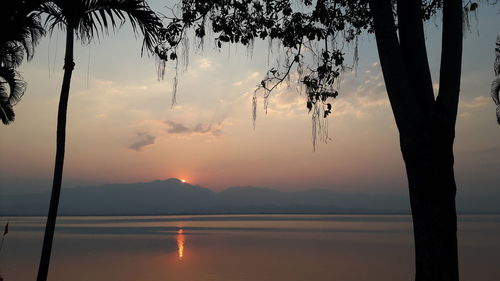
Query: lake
[{"x": 239, "y": 248}]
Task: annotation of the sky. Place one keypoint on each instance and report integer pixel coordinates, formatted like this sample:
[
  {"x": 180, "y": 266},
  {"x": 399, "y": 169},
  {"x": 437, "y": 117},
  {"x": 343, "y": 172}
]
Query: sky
[{"x": 123, "y": 128}]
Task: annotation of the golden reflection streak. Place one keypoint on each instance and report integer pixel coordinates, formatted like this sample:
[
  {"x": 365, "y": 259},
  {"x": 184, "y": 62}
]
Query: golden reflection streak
[{"x": 180, "y": 243}]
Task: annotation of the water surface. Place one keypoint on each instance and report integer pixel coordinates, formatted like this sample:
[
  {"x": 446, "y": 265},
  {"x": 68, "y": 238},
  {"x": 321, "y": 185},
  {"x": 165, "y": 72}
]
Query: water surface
[{"x": 239, "y": 248}]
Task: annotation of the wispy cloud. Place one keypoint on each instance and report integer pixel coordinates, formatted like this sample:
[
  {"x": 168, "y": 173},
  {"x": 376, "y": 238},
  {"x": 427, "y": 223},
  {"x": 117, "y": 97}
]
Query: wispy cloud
[
  {"x": 477, "y": 102},
  {"x": 251, "y": 78},
  {"x": 488, "y": 150},
  {"x": 467, "y": 108},
  {"x": 177, "y": 128},
  {"x": 205, "y": 64},
  {"x": 142, "y": 141},
  {"x": 200, "y": 128}
]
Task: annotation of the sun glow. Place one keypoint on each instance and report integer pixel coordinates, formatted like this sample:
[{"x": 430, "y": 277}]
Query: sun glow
[{"x": 183, "y": 180}]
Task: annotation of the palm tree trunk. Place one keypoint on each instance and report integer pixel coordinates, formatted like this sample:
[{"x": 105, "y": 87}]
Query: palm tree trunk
[{"x": 69, "y": 65}]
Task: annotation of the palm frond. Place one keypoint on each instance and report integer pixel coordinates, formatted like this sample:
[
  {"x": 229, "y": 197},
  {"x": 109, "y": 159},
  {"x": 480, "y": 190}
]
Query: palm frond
[
  {"x": 24, "y": 28},
  {"x": 104, "y": 15},
  {"x": 33, "y": 31},
  {"x": 27, "y": 32},
  {"x": 11, "y": 54},
  {"x": 94, "y": 18},
  {"x": 55, "y": 17},
  {"x": 18, "y": 39},
  {"x": 139, "y": 14},
  {"x": 6, "y": 112},
  {"x": 17, "y": 86}
]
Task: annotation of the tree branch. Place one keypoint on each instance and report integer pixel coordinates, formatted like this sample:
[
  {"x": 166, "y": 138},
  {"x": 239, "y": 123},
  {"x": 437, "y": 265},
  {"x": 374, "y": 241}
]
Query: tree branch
[
  {"x": 414, "y": 52},
  {"x": 451, "y": 62},
  {"x": 395, "y": 75}
]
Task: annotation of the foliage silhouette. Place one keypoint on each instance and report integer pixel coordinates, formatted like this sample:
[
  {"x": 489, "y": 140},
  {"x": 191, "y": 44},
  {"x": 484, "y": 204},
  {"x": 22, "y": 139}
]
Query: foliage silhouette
[
  {"x": 313, "y": 35},
  {"x": 85, "y": 19},
  {"x": 21, "y": 31},
  {"x": 495, "y": 85}
]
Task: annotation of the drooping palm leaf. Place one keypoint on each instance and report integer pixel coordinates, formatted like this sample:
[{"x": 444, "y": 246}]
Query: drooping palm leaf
[
  {"x": 12, "y": 88},
  {"x": 11, "y": 54},
  {"x": 15, "y": 82},
  {"x": 6, "y": 112},
  {"x": 27, "y": 31}
]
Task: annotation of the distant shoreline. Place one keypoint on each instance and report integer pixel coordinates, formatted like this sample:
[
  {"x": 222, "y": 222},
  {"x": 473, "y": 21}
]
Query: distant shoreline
[{"x": 240, "y": 214}]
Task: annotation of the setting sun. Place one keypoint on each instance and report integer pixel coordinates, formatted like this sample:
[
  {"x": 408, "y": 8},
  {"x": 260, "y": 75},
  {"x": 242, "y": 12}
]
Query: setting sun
[{"x": 183, "y": 180}]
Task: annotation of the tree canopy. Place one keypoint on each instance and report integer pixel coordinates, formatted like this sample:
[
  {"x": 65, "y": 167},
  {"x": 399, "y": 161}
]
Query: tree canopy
[{"x": 315, "y": 36}]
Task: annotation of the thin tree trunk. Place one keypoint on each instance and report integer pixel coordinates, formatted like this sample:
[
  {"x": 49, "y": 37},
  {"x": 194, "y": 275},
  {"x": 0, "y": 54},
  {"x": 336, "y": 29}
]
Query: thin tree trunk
[
  {"x": 69, "y": 65},
  {"x": 426, "y": 129}
]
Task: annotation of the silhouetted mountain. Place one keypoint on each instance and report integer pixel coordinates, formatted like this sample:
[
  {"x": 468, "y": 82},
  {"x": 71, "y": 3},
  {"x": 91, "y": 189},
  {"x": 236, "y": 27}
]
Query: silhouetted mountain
[{"x": 173, "y": 196}]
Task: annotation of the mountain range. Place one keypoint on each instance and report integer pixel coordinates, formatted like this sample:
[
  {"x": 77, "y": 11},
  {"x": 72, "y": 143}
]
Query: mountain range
[{"x": 172, "y": 196}]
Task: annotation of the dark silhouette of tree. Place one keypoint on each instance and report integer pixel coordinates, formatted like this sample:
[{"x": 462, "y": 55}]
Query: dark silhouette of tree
[
  {"x": 86, "y": 19},
  {"x": 312, "y": 34},
  {"x": 20, "y": 32}
]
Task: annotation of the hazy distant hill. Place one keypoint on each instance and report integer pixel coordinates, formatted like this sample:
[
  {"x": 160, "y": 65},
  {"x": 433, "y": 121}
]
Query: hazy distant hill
[{"x": 172, "y": 196}]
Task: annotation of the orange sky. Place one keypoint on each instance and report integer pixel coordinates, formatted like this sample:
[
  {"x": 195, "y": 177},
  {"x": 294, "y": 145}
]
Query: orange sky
[{"x": 122, "y": 128}]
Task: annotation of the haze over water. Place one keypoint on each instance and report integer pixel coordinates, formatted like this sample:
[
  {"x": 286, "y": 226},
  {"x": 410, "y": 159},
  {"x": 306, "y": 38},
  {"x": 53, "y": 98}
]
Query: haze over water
[{"x": 239, "y": 247}]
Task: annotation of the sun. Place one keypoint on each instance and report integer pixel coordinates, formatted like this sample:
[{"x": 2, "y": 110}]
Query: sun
[{"x": 183, "y": 180}]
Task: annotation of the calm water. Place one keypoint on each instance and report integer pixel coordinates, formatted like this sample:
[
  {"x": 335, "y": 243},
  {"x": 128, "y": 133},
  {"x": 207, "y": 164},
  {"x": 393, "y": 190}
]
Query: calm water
[{"x": 239, "y": 248}]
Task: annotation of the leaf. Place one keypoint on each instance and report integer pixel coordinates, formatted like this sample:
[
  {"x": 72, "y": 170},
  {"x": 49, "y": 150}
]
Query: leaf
[
  {"x": 6, "y": 229},
  {"x": 496, "y": 65},
  {"x": 6, "y": 112},
  {"x": 495, "y": 91},
  {"x": 495, "y": 95},
  {"x": 309, "y": 105}
]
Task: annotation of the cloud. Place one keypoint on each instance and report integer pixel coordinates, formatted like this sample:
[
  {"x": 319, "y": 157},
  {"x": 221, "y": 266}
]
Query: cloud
[
  {"x": 477, "y": 102},
  {"x": 488, "y": 150},
  {"x": 177, "y": 128},
  {"x": 372, "y": 101},
  {"x": 201, "y": 129},
  {"x": 468, "y": 107},
  {"x": 143, "y": 141},
  {"x": 252, "y": 78},
  {"x": 205, "y": 64}
]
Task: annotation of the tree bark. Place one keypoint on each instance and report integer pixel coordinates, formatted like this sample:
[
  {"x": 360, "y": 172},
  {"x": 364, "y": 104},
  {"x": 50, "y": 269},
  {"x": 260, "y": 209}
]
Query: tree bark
[
  {"x": 69, "y": 65},
  {"x": 426, "y": 127}
]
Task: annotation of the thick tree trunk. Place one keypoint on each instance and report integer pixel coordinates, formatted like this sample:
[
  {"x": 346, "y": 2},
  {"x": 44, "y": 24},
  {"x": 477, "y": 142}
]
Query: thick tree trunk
[
  {"x": 432, "y": 196},
  {"x": 426, "y": 127},
  {"x": 59, "y": 163}
]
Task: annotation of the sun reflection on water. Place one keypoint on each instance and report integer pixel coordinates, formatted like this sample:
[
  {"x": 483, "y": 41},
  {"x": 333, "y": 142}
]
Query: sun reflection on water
[{"x": 180, "y": 243}]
